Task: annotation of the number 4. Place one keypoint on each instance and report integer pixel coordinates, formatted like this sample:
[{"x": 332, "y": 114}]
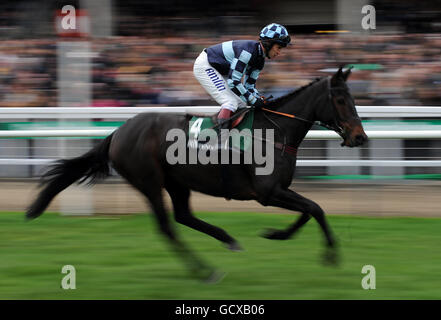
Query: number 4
[{"x": 196, "y": 128}]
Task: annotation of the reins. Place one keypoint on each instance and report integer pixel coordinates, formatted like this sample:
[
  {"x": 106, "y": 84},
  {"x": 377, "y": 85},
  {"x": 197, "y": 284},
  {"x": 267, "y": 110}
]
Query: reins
[
  {"x": 335, "y": 128},
  {"x": 292, "y": 116},
  {"x": 284, "y": 147},
  {"x": 288, "y": 115},
  {"x": 319, "y": 123}
]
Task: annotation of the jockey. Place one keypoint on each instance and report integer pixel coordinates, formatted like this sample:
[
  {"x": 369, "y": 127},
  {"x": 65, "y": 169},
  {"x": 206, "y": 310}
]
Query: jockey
[{"x": 220, "y": 69}]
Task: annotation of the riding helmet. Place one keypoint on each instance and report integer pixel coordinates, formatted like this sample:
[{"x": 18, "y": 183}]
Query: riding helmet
[{"x": 274, "y": 33}]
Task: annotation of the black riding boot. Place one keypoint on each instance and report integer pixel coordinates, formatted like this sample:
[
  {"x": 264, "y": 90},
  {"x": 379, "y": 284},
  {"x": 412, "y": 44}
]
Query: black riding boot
[{"x": 224, "y": 124}]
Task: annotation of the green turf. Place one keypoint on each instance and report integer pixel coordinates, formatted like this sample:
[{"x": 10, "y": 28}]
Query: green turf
[{"x": 125, "y": 258}]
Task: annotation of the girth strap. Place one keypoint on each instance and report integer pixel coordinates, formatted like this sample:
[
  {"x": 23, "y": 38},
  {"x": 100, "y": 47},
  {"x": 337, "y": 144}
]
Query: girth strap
[{"x": 286, "y": 148}]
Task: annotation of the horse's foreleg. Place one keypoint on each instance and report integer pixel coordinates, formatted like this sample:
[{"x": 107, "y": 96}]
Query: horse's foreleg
[
  {"x": 289, "y": 232},
  {"x": 288, "y": 199},
  {"x": 180, "y": 196}
]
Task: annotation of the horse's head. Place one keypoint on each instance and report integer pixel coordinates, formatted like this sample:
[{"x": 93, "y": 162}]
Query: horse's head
[{"x": 340, "y": 113}]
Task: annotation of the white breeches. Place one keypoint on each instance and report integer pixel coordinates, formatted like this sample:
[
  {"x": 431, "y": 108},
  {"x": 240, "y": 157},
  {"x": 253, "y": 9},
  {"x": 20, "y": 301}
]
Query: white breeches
[{"x": 216, "y": 85}]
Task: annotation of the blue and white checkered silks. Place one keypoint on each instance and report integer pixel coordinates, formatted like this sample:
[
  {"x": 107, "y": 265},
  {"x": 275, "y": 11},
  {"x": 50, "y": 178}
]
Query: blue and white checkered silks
[
  {"x": 248, "y": 93},
  {"x": 273, "y": 31},
  {"x": 236, "y": 61},
  {"x": 235, "y": 75}
]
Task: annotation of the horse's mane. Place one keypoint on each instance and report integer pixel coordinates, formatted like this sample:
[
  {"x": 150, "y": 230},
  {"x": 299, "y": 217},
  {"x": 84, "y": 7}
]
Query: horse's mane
[{"x": 282, "y": 99}]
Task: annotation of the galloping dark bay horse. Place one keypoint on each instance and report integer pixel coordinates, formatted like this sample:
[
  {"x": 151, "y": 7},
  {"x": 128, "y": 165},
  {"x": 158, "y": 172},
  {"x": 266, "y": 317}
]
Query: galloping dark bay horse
[{"x": 137, "y": 151}]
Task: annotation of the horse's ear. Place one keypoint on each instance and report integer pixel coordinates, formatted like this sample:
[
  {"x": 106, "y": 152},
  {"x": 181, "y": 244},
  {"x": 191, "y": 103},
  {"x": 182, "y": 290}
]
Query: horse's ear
[
  {"x": 338, "y": 75},
  {"x": 346, "y": 74},
  {"x": 340, "y": 71}
]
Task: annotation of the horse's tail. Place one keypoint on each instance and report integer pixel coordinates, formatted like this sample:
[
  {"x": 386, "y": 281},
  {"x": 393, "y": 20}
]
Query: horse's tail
[{"x": 93, "y": 164}]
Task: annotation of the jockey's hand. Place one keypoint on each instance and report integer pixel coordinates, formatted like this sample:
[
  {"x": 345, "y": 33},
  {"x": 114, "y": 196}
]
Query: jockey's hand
[
  {"x": 266, "y": 100},
  {"x": 260, "y": 103}
]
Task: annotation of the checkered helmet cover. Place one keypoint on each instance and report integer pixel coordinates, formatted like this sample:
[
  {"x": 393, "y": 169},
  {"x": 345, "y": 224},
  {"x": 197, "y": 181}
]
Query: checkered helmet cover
[{"x": 276, "y": 33}]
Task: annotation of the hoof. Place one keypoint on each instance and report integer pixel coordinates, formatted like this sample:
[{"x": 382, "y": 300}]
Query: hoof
[
  {"x": 234, "y": 246},
  {"x": 274, "y": 234},
  {"x": 215, "y": 277},
  {"x": 30, "y": 216},
  {"x": 331, "y": 257}
]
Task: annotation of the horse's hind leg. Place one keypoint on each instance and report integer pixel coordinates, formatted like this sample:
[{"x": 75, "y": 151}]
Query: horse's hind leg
[
  {"x": 291, "y": 200},
  {"x": 180, "y": 196},
  {"x": 150, "y": 186}
]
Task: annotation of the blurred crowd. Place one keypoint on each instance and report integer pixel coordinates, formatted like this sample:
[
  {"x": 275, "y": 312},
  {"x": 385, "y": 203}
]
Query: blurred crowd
[{"x": 399, "y": 69}]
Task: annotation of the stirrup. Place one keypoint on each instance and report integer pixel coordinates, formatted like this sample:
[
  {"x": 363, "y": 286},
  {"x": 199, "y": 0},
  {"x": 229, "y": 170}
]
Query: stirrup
[{"x": 224, "y": 123}]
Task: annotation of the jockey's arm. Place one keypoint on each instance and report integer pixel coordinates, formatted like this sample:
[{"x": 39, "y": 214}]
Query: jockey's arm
[{"x": 250, "y": 82}]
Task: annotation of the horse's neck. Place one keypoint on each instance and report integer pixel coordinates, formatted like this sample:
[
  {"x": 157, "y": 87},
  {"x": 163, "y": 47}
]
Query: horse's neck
[
  {"x": 303, "y": 105},
  {"x": 306, "y": 102}
]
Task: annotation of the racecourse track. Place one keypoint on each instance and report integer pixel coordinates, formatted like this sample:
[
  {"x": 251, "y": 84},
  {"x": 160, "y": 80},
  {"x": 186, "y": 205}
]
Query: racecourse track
[{"x": 387, "y": 198}]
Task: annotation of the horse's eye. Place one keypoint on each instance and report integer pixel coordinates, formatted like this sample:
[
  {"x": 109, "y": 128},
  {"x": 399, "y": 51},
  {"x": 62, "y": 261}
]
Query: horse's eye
[{"x": 341, "y": 101}]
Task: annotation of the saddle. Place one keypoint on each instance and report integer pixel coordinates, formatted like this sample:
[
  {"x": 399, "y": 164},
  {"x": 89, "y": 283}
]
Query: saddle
[{"x": 240, "y": 120}]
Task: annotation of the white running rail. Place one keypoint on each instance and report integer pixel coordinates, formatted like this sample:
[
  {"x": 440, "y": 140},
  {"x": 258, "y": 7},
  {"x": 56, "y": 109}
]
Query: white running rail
[{"x": 125, "y": 113}]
